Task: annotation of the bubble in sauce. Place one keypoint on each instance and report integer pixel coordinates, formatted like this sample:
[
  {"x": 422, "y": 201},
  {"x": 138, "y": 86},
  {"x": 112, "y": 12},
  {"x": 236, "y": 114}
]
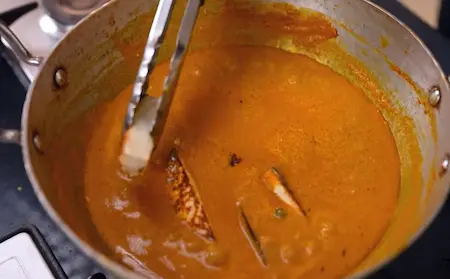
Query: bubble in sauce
[
  {"x": 193, "y": 246},
  {"x": 289, "y": 254},
  {"x": 173, "y": 240},
  {"x": 215, "y": 256},
  {"x": 138, "y": 245},
  {"x": 175, "y": 236},
  {"x": 309, "y": 248},
  {"x": 177, "y": 141},
  {"x": 326, "y": 229},
  {"x": 299, "y": 252}
]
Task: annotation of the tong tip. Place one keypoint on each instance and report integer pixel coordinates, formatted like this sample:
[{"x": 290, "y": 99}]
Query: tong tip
[{"x": 137, "y": 148}]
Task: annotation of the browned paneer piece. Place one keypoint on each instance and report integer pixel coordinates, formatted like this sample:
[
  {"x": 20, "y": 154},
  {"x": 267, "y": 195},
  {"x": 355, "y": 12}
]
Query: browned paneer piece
[{"x": 185, "y": 198}]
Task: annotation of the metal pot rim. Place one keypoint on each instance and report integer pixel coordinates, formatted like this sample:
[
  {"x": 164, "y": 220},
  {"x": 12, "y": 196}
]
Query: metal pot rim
[
  {"x": 429, "y": 221},
  {"x": 120, "y": 270}
]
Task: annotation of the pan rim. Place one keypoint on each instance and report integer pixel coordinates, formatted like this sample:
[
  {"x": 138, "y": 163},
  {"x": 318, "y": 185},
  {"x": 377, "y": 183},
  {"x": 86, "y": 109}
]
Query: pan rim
[{"x": 124, "y": 272}]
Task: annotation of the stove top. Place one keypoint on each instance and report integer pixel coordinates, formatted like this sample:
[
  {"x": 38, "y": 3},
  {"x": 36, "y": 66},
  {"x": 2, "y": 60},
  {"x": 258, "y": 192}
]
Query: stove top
[{"x": 429, "y": 257}]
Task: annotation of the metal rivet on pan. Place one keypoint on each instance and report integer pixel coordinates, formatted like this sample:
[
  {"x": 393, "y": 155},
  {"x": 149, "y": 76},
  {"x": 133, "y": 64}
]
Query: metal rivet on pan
[
  {"x": 60, "y": 78},
  {"x": 445, "y": 165},
  {"x": 435, "y": 96},
  {"x": 37, "y": 142}
]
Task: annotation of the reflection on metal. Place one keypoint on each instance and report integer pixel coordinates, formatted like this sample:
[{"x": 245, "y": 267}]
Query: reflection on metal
[
  {"x": 10, "y": 136},
  {"x": 445, "y": 165},
  {"x": 154, "y": 42},
  {"x": 37, "y": 142},
  {"x": 145, "y": 113},
  {"x": 155, "y": 39},
  {"x": 435, "y": 96},
  {"x": 53, "y": 28},
  {"x": 60, "y": 78},
  {"x": 69, "y": 12},
  {"x": 13, "y": 43}
]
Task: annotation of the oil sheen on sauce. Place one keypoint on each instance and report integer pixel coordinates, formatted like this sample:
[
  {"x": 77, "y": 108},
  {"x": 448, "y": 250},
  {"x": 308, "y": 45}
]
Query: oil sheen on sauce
[{"x": 272, "y": 109}]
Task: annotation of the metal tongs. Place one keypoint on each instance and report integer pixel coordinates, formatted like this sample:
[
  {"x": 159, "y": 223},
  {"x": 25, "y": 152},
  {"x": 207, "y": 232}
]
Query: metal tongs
[{"x": 146, "y": 115}]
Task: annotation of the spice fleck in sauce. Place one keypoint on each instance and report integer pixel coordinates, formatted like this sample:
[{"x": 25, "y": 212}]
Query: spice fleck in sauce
[{"x": 273, "y": 109}]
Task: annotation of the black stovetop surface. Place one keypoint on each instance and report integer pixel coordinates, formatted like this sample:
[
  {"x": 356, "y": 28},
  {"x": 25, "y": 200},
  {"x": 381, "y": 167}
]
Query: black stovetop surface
[{"x": 429, "y": 257}]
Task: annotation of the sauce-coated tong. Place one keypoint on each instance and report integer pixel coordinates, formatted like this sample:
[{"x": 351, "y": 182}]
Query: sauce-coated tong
[{"x": 146, "y": 115}]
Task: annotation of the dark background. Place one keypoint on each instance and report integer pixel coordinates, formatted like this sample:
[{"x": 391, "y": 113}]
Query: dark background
[
  {"x": 444, "y": 19},
  {"x": 429, "y": 257}
]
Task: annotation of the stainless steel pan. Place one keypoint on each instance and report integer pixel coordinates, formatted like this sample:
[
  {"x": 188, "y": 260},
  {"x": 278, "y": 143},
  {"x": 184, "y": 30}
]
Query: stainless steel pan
[{"x": 87, "y": 67}]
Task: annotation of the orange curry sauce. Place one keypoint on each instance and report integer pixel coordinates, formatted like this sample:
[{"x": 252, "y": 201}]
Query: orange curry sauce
[{"x": 272, "y": 109}]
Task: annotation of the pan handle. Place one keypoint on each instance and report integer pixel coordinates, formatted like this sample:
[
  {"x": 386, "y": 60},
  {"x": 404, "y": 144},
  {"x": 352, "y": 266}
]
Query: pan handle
[
  {"x": 9, "y": 40},
  {"x": 17, "y": 48}
]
